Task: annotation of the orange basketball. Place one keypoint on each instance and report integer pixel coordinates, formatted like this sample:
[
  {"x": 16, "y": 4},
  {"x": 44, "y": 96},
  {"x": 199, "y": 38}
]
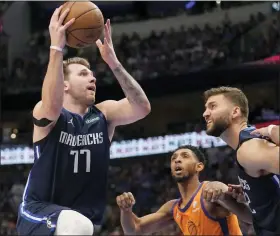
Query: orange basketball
[{"x": 88, "y": 25}]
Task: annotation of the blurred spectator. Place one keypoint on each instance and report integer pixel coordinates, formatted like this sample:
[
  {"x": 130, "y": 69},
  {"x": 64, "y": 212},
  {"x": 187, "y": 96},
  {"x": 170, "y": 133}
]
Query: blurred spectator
[{"x": 168, "y": 53}]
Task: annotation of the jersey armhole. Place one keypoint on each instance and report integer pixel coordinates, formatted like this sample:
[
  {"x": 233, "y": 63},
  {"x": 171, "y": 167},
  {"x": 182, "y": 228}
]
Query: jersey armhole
[
  {"x": 173, "y": 206},
  {"x": 101, "y": 114},
  {"x": 54, "y": 129}
]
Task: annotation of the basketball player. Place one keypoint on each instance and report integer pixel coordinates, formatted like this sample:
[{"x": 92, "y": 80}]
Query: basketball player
[
  {"x": 66, "y": 189},
  {"x": 226, "y": 115},
  {"x": 203, "y": 209}
]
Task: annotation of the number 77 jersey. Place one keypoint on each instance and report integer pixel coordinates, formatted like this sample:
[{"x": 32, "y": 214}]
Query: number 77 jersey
[{"x": 71, "y": 164}]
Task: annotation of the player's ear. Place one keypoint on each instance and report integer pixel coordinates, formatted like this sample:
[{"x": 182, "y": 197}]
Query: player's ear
[
  {"x": 199, "y": 167},
  {"x": 236, "y": 112},
  {"x": 66, "y": 85}
]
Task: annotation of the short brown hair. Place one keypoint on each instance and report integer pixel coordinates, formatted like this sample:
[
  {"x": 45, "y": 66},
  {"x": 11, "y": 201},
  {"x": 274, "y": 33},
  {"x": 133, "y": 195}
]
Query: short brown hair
[
  {"x": 74, "y": 60},
  {"x": 235, "y": 95}
]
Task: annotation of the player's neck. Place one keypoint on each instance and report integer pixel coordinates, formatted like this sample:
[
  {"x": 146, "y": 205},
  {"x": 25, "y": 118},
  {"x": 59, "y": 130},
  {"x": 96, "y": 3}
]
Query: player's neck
[
  {"x": 75, "y": 107},
  {"x": 231, "y": 135},
  {"x": 188, "y": 188}
]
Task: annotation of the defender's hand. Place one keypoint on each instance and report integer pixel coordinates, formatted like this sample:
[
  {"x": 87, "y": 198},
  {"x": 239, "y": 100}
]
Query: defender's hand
[
  {"x": 125, "y": 201},
  {"x": 236, "y": 192},
  {"x": 107, "y": 49},
  {"x": 214, "y": 191},
  {"x": 57, "y": 30}
]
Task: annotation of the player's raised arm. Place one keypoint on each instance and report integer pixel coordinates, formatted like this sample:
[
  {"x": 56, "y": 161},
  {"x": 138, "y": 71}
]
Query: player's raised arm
[
  {"x": 133, "y": 225},
  {"x": 136, "y": 104},
  {"x": 48, "y": 109},
  {"x": 258, "y": 155}
]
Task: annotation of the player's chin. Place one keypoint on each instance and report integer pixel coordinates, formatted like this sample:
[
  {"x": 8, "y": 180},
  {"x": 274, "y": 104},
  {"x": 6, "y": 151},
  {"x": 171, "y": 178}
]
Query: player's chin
[
  {"x": 90, "y": 100},
  {"x": 180, "y": 177},
  {"x": 211, "y": 131}
]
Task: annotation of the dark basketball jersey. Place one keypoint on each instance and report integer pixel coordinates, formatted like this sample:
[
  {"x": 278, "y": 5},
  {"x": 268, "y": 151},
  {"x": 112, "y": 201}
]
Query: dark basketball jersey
[
  {"x": 262, "y": 193},
  {"x": 71, "y": 164}
]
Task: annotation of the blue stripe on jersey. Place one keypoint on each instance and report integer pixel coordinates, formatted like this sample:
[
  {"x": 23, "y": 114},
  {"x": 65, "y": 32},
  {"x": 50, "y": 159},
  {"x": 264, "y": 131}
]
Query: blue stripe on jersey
[
  {"x": 25, "y": 213},
  {"x": 276, "y": 180},
  {"x": 33, "y": 218},
  {"x": 36, "y": 152}
]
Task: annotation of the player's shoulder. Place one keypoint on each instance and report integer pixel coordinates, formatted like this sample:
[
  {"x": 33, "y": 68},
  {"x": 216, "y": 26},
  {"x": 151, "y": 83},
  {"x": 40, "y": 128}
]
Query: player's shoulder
[
  {"x": 105, "y": 106},
  {"x": 169, "y": 206},
  {"x": 253, "y": 146}
]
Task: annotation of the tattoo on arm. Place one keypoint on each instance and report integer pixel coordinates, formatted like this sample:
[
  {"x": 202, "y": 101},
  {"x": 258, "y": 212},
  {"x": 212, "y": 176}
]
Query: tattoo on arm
[{"x": 132, "y": 90}]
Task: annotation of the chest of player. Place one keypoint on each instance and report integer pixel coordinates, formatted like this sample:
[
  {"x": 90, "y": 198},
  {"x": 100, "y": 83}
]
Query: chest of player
[
  {"x": 81, "y": 132},
  {"x": 195, "y": 220}
]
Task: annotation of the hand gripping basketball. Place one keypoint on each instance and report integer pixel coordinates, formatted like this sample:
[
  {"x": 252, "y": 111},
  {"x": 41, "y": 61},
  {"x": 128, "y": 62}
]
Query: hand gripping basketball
[
  {"x": 57, "y": 30},
  {"x": 125, "y": 201}
]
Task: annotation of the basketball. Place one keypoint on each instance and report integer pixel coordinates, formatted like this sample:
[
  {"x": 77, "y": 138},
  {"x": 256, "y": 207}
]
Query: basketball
[{"x": 88, "y": 25}]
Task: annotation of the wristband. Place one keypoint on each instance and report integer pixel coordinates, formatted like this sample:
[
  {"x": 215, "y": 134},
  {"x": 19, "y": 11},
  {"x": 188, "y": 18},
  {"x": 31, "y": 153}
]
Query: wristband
[
  {"x": 269, "y": 129},
  {"x": 56, "y": 48}
]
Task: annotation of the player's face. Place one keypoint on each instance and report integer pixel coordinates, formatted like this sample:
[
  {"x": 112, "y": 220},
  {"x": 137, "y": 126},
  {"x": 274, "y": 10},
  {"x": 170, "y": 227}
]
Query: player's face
[
  {"x": 81, "y": 84},
  {"x": 217, "y": 115},
  {"x": 184, "y": 165}
]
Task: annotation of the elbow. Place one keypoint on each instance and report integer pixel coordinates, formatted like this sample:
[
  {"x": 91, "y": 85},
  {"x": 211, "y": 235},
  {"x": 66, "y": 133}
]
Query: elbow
[
  {"x": 135, "y": 231},
  {"x": 146, "y": 108}
]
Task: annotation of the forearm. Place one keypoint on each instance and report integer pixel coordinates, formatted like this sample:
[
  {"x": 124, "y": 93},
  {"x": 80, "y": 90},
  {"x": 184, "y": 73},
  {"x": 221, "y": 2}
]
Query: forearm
[
  {"x": 52, "y": 91},
  {"x": 240, "y": 209},
  {"x": 275, "y": 134},
  {"x": 132, "y": 90},
  {"x": 129, "y": 222}
]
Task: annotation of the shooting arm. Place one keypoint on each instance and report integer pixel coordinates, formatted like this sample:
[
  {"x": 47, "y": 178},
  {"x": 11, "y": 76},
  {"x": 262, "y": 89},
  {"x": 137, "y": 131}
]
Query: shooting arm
[
  {"x": 130, "y": 109},
  {"x": 52, "y": 91}
]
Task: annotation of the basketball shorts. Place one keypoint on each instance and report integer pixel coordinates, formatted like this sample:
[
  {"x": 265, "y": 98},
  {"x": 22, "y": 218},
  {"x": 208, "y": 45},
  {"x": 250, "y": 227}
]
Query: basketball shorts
[{"x": 37, "y": 218}]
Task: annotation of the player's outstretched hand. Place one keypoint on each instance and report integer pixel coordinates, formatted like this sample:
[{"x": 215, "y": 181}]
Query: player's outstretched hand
[
  {"x": 57, "y": 29},
  {"x": 236, "y": 191},
  {"x": 107, "y": 49},
  {"x": 125, "y": 201},
  {"x": 214, "y": 191}
]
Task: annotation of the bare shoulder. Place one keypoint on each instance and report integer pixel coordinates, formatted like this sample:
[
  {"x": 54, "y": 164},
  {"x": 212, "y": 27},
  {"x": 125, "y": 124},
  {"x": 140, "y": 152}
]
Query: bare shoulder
[
  {"x": 105, "y": 106},
  {"x": 167, "y": 207},
  {"x": 255, "y": 155},
  {"x": 253, "y": 148}
]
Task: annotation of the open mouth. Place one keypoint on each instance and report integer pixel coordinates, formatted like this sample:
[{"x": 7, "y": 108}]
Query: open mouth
[
  {"x": 91, "y": 88},
  {"x": 178, "y": 169}
]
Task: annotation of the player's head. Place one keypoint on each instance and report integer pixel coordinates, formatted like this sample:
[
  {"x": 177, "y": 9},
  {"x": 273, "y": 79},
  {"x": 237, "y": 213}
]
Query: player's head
[
  {"x": 223, "y": 107},
  {"x": 79, "y": 80},
  {"x": 186, "y": 161}
]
